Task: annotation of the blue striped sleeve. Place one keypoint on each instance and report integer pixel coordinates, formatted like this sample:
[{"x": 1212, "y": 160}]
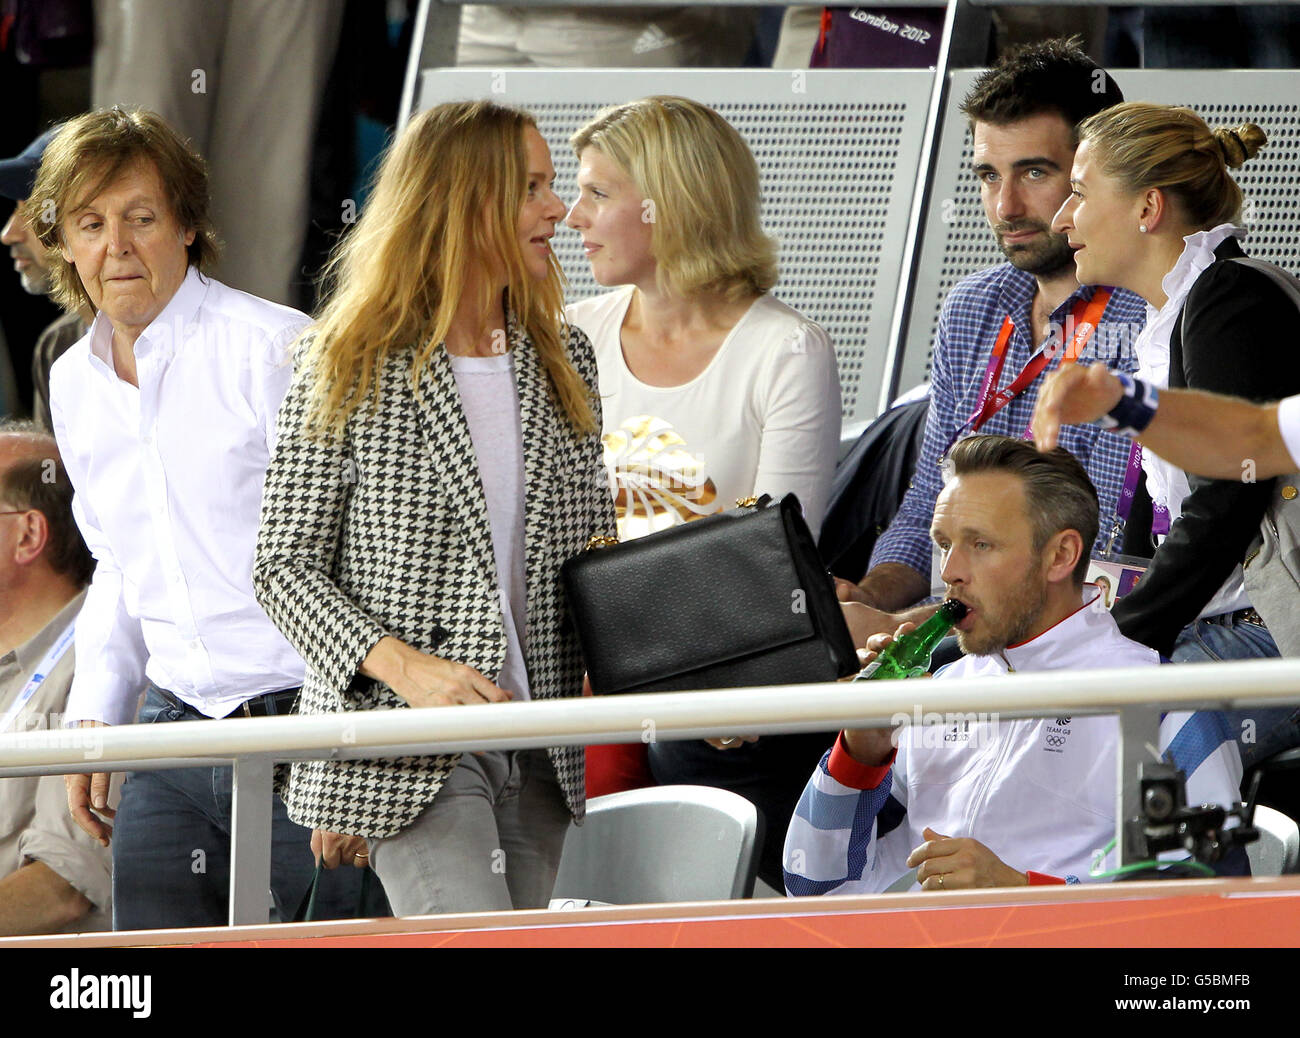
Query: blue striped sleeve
[{"x": 832, "y": 833}]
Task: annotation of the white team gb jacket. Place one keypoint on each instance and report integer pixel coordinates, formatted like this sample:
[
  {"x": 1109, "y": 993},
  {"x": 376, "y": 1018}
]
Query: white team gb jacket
[{"x": 1039, "y": 793}]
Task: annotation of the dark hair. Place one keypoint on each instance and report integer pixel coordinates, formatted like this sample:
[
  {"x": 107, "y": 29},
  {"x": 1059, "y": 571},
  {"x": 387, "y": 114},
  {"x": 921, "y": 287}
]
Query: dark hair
[
  {"x": 1051, "y": 76},
  {"x": 1058, "y": 493},
  {"x": 38, "y": 480},
  {"x": 86, "y": 155}
]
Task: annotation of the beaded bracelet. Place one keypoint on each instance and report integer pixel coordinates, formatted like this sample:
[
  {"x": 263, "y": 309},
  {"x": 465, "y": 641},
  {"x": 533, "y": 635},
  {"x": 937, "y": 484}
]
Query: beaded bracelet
[{"x": 1135, "y": 409}]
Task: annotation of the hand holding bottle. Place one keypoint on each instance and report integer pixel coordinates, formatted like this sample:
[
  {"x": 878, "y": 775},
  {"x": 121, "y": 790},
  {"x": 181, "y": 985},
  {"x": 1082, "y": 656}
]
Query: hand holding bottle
[
  {"x": 876, "y": 644},
  {"x": 873, "y": 746},
  {"x": 904, "y": 655},
  {"x": 909, "y": 655}
]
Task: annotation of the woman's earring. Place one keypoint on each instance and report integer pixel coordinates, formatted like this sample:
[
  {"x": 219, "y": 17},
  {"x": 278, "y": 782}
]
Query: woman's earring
[{"x": 1142, "y": 227}]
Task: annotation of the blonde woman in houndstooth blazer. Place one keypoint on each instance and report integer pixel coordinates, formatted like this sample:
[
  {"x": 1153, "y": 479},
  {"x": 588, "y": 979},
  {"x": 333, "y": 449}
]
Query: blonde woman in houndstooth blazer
[{"x": 439, "y": 458}]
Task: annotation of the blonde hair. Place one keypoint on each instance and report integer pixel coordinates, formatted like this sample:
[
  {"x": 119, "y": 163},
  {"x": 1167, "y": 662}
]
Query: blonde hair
[
  {"x": 444, "y": 212},
  {"x": 1147, "y": 145},
  {"x": 702, "y": 180},
  {"x": 86, "y": 156}
]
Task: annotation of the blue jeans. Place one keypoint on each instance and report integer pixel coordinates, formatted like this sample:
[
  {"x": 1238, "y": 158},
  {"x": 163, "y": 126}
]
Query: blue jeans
[
  {"x": 171, "y": 848},
  {"x": 1260, "y": 731}
]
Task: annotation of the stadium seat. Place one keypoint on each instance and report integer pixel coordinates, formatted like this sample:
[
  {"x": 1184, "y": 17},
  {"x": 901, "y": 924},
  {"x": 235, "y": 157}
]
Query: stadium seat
[
  {"x": 666, "y": 843},
  {"x": 1276, "y": 851}
]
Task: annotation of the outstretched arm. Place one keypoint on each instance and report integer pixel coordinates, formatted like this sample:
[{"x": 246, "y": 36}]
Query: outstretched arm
[{"x": 1204, "y": 433}]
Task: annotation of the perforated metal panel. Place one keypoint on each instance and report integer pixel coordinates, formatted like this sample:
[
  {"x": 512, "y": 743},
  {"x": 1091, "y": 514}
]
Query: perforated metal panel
[
  {"x": 838, "y": 153},
  {"x": 957, "y": 241}
]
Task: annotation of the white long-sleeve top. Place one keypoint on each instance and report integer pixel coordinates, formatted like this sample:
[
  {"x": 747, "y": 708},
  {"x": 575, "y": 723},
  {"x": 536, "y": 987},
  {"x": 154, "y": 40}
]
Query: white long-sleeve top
[
  {"x": 1167, "y": 484},
  {"x": 1040, "y": 794},
  {"x": 762, "y": 418},
  {"x": 168, "y": 481}
]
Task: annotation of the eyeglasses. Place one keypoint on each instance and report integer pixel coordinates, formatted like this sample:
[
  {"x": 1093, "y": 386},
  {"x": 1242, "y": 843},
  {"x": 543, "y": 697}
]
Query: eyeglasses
[{"x": 17, "y": 511}]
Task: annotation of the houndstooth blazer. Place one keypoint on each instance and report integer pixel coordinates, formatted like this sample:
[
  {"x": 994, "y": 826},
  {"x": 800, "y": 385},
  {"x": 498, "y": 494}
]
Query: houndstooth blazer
[{"x": 386, "y": 532}]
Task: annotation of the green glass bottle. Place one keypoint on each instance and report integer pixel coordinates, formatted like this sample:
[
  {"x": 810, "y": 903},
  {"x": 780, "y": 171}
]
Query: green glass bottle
[{"x": 909, "y": 656}]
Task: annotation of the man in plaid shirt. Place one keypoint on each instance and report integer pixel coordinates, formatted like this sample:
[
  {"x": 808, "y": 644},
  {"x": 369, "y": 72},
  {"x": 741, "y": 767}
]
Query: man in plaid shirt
[{"x": 1023, "y": 114}]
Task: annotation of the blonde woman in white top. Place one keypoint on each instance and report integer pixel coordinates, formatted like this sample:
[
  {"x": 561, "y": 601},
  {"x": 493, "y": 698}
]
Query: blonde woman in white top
[{"x": 711, "y": 389}]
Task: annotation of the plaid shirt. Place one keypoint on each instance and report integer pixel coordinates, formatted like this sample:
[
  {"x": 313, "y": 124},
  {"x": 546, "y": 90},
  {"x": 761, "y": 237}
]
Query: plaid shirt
[{"x": 972, "y": 317}]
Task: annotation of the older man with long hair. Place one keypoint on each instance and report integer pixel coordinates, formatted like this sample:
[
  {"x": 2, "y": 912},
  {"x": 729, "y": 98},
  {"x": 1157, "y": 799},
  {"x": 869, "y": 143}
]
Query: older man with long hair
[{"x": 166, "y": 415}]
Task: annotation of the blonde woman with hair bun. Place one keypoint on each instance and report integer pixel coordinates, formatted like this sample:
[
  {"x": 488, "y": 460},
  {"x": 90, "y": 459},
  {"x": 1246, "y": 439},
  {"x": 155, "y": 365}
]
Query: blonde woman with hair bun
[
  {"x": 712, "y": 389},
  {"x": 438, "y": 460},
  {"x": 1154, "y": 209}
]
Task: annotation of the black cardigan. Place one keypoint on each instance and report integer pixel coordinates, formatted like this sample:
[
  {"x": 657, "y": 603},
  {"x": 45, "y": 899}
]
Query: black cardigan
[{"x": 1240, "y": 341}]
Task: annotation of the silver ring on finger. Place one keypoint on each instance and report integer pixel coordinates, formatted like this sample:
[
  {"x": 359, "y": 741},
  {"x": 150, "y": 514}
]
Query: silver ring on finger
[
  {"x": 941, "y": 881},
  {"x": 726, "y": 742}
]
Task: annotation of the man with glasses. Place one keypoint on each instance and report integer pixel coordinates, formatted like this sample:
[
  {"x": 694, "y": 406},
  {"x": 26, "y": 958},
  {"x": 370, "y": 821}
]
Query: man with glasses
[{"x": 53, "y": 876}]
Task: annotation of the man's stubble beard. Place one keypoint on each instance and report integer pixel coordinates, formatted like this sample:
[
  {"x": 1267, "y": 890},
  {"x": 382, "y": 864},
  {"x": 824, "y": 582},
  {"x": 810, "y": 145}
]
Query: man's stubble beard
[
  {"x": 37, "y": 285},
  {"x": 1055, "y": 257},
  {"x": 1018, "y": 625}
]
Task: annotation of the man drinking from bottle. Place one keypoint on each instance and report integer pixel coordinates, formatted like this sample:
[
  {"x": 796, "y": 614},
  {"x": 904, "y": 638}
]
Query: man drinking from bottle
[{"x": 997, "y": 803}]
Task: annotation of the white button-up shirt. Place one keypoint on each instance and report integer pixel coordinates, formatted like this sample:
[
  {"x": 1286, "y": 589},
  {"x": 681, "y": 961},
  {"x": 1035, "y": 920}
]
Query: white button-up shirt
[
  {"x": 1167, "y": 484},
  {"x": 168, "y": 481}
]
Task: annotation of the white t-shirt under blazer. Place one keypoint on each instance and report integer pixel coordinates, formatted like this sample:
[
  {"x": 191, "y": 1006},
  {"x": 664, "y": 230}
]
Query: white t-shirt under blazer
[{"x": 762, "y": 418}]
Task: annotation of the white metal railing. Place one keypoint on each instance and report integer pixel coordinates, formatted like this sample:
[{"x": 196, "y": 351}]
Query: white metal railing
[{"x": 1136, "y": 694}]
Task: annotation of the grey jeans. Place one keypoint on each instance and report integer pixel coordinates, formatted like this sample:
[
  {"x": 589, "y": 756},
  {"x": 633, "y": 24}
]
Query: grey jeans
[{"x": 490, "y": 841}]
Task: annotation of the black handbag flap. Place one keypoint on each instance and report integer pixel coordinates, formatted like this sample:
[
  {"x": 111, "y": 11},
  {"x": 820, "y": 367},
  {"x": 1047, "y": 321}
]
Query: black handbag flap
[{"x": 713, "y": 580}]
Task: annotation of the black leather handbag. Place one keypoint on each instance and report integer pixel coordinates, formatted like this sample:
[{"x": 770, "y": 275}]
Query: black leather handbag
[{"x": 732, "y": 600}]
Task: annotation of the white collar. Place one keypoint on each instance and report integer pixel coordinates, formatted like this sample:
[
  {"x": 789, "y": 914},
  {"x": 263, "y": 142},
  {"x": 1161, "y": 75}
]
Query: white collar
[
  {"x": 1197, "y": 254},
  {"x": 164, "y": 332},
  {"x": 1034, "y": 653},
  {"x": 1072, "y": 642}
]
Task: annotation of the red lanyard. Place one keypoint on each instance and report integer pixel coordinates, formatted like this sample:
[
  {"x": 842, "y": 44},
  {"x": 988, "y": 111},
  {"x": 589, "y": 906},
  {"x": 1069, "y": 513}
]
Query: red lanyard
[{"x": 1085, "y": 317}]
